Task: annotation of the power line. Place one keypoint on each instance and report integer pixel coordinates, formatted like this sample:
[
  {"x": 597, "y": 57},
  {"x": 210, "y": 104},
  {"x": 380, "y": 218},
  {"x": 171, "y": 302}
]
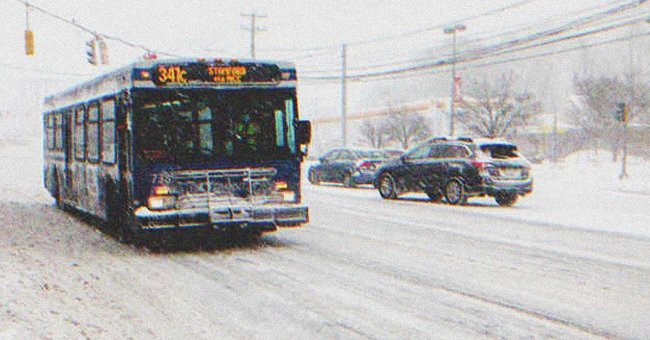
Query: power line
[
  {"x": 501, "y": 48},
  {"x": 93, "y": 32},
  {"x": 441, "y": 26},
  {"x": 466, "y": 41},
  {"x": 431, "y": 71},
  {"x": 409, "y": 33},
  {"x": 41, "y": 71},
  {"x": 567, "y": 26}
]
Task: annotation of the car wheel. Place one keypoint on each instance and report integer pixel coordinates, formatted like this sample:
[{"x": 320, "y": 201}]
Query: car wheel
[
  {"x": 506, "y": 199},
  {"x": 387, "y": 187},
  {"x": 347, "y": 181},
  {"x": 314, "y": 177},
  {"x": 454, "y": 192},
  {"x": 434, "y": 195}
]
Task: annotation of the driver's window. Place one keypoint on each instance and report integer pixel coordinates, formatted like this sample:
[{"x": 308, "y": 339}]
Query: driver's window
[
  {"x": 332, "y": 156},
  {"x": 345, "y": 155},
  {"x": 439, "y": 151},
  {"x": 455, "y": 151},
  {"x": 421, "y": 152}
]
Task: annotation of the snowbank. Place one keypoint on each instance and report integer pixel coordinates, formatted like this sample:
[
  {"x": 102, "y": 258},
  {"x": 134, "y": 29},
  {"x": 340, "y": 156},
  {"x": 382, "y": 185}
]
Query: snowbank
[{"x": 21, "y": 173}]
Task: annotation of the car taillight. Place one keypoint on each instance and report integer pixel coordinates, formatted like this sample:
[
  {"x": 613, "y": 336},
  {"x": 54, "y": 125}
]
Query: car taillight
[
  {"x": 366, "y": 166},
  {"x": 479, "y": 164},
  {"x": 485, "y": 169}
]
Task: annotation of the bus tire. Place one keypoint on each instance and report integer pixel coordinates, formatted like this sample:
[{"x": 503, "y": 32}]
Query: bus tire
[
  {"x": 124, "y": 224},
  {"x": 58, "y": 193}
]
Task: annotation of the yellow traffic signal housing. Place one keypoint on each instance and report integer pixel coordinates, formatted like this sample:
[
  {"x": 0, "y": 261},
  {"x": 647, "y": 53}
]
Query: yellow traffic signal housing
[
  {"x": 29, "y": 43},
  {"x": 91, "y": 52},
  {"x": 103, "y": 51}
]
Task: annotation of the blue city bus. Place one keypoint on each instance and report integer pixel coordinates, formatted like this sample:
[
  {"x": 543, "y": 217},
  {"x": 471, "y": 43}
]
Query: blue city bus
[{"x": 180, "y": 144}]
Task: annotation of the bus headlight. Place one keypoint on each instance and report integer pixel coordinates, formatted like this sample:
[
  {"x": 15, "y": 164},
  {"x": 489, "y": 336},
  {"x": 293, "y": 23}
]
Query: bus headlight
[
  {"x": 288, "y": 196},
  {"x": 161, "y": 202}
]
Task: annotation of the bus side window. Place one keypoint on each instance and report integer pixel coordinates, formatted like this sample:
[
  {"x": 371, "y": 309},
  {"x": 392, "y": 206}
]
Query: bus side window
[
  {"x": 79, "y": 135},
  {"x": 93, "y": 132},
  {"x": 58, "y": 132},
  {"x": 50, "y": 131},
  {"x": 108, "y": 131}
]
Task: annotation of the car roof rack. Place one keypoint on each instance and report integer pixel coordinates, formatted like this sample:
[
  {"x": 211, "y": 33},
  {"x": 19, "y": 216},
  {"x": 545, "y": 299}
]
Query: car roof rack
[{"x": 465, "y": 139}]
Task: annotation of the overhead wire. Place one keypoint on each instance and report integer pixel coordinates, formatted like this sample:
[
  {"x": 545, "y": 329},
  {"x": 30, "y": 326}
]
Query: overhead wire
[
  {"x": 467, "y": 42},
  {"x": 479, "y": 38},
  {"x": 494, "y": 49},
  {"x": 409, "y": 33},
  {"x": 466, "y": 65},
  {"x": 40, "y": 71},
  {"x": 94, "y": 32}
]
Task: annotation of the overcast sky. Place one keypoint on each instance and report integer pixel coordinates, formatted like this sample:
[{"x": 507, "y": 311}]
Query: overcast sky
[{"x": 212, "y": 28}]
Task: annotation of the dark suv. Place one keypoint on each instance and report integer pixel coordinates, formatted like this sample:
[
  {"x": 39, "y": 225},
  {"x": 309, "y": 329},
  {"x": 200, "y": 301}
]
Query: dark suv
[
  {"x": 458, "y": 169},
  {"x": 347, "y": 166}
]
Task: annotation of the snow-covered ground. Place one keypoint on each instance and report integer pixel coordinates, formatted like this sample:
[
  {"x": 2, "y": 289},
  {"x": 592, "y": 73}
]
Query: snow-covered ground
[
  {"x": 21, "y": 174},
  {"x": 581, "y": 191},
  {"x": 572, "y": 260}
]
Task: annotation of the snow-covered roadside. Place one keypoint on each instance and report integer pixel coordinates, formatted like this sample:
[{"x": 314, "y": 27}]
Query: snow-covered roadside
[
  {"x": 21, "y": 174},
  {"x": 583, "y": 191}
]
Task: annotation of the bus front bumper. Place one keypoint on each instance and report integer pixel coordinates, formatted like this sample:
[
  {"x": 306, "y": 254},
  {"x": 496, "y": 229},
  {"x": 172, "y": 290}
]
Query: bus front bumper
[{"x": 265, "y": 217}]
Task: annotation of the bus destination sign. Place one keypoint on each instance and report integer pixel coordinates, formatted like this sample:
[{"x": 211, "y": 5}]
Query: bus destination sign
[{"x": 192, "y": 73}]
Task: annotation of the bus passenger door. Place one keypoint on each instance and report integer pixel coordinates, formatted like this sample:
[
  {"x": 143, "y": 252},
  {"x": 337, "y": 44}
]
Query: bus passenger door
[
  {"x": 68, "y": 124},
  {"x": 123, "y": 151}
]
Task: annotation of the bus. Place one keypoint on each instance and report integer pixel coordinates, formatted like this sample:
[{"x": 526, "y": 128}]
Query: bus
[{"x": 180, "y": 144}]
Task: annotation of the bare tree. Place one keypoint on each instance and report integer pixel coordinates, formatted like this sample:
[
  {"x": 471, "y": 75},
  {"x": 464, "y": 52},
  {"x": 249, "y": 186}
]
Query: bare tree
[
  {"x": 407, "y": 128},
  {"x": 400, "y": 124},
  {"x": 494, "y": 108},
  {"x": 599, "y": 97},
  {"x": 375, "y": 133}
]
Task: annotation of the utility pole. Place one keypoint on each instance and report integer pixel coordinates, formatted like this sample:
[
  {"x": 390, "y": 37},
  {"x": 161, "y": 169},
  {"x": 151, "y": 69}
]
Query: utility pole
[
  {"x": 452, "y": 107},
  {"x": 344, "y": 95},
  {"x": 253, "y": 28},
  {"x": 554, "y": 137},
  {"x": 626, "y": 109}
]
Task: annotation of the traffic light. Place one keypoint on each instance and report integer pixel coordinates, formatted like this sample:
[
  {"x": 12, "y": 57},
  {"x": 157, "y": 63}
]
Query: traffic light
[
  {"x": 103, "y": 51},
  {"x": 622, "y": 112},
  {"x": 91, "y": 51},
  {"x": 29, "y": 42}
]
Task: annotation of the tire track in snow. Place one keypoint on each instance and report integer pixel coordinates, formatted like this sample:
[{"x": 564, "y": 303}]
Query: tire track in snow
[
  {"x": 458, "y": 227},
  {"x": 517, "y": 308}
]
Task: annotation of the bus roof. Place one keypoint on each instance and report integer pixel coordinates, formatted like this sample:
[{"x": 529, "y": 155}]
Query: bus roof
[{"x": 126, "y": 77}]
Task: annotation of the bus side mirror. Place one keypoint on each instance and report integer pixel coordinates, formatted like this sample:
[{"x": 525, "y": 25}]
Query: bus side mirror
[{"x": 303, "y": 131}]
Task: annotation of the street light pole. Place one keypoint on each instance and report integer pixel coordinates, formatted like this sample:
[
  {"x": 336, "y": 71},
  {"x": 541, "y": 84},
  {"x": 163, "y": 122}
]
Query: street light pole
[{"x": 452, "y": 106}]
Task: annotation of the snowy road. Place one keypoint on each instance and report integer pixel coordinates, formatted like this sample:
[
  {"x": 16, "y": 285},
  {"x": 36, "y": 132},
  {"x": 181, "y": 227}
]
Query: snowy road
[{"x": 363, "y": 268}]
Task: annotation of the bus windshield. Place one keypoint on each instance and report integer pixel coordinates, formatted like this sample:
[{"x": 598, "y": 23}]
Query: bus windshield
[{"x": 202, "y": 125}]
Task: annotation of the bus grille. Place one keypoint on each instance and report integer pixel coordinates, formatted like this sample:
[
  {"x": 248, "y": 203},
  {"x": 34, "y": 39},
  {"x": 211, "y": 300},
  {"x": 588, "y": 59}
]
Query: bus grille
[{"x": 219, "y": 188}]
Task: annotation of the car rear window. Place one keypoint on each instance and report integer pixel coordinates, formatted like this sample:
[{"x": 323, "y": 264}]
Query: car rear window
[
  {"x": 369, "y": 154},
  {"x": 500, "y": 150},
  {"x": 392, "y": 153}
]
